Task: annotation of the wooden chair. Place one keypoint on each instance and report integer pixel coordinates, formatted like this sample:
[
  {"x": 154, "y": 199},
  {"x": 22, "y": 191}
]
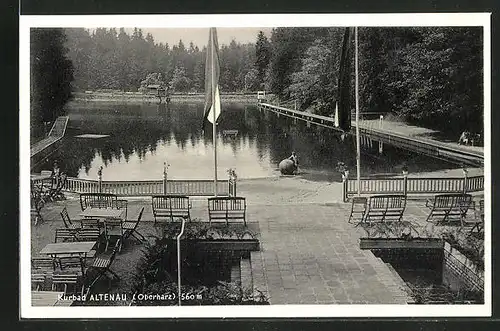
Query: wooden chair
[
  {"x": 171, "y": 206},
  {"x": 36, "y": 204},
  {"x": 65, "y": 235},
  {"x": 227, "y": 208},
  {"x": 445, "y": 207},
  {"x": 74, "y": 264},
  {"x": 358, "y": 209},
  {"x": 67, "y": 221},
  {"x": 113, "y": 228},
  {"x": 43, "y": 264},
  {"x": 65, "y": 279},
  {"x": 102, "y": 264},
  {"x": 97, "y": 200},
  {"x": 38, "y": 281},
  {"x": 122, "y": 204},
  {"x": 385, "y": 208},
  {"x": 130, "y": 228},
  {"x": 90, "y": 223},
  {"x": 478, "y": 218}
]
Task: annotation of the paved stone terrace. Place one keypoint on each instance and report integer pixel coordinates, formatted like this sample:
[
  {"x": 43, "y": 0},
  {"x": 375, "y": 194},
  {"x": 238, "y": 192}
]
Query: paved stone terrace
[{"x": 309, "y": 252}]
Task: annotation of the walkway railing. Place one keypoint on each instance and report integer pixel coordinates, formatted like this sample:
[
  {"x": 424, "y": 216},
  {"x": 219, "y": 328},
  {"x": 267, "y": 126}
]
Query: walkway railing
[
  {"x": 412, "y": 186},
  {"x": 148, "y": 187}
]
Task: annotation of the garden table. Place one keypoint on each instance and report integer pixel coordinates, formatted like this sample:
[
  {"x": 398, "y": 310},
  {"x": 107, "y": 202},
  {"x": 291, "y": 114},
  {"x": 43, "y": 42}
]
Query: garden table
[{"x": 80, "y": 248}]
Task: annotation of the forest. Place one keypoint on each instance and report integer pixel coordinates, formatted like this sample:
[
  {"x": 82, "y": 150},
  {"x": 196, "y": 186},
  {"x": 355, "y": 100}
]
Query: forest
[{"x": 429, "y": 76}]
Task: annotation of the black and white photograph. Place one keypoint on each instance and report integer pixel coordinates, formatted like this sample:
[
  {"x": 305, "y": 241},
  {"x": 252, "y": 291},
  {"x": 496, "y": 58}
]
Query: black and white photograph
[{"x": 255, "y": 165}]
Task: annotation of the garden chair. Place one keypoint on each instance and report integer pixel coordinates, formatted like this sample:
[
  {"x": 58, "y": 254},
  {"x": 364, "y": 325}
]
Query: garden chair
[
  {"x": 102, "y": 264},
  {"x": 478, "y": 218},
  {"x": 90, "y": 223},
  {"x": 130, "y": 228},
  {"x": 122, "y": 204},
  {"x": 74, "y": 264},
  {"x": 36, "y": 204},
  {"x": 113, "y": 228},
  {"x": 67, "y": 221},
  {"x": 358, "y": 209},
  {"x": 43, "y": 264},
  {"x": 65, "y": 279},
  {"x": 65, "y": 235},
  {"x": 38, "y": 281}
]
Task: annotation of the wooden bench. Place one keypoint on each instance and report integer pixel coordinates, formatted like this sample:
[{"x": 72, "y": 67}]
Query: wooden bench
[
  {"x": 171, "y": 206},
  {"x": 447, "y": 206},
  {"x": 227, "y": 208},
  {"x": 383, "y": 208},
  {"x": 98, "y": 200}
]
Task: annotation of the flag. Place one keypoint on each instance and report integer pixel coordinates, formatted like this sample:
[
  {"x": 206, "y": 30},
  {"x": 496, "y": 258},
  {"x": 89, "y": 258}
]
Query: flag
[
  {"x": 344, "y": 97},
  {"x": 212, "y": 70}
]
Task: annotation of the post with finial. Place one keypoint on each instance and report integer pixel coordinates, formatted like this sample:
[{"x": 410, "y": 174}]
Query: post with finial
[
  {"x": 164, "y": 177},
  {"x": 405, "y": 179},
  {"x": 232, "y": 182},
  {"x": 466, "y": 172},
  {"x": 99, "y": 177}
]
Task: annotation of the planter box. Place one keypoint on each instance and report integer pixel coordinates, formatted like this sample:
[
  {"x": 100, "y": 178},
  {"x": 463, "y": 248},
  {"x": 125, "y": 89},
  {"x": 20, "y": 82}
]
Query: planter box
[
  {"x": 394, "y": 243},
  {"x": 223, "y": 244}
]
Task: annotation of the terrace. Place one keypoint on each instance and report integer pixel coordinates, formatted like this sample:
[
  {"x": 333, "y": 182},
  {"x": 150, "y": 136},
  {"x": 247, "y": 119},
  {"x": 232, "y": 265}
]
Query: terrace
[{"x": 308, "y": 252}]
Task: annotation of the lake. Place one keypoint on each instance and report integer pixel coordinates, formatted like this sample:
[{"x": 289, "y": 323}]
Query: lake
[{"x": 138, "y": 139}]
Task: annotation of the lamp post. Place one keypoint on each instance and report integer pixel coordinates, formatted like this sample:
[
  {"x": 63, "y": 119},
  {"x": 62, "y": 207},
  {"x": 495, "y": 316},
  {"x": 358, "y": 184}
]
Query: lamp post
[
  {"x": 465, "y": 172},
  {"x": 405, "y": 178}
]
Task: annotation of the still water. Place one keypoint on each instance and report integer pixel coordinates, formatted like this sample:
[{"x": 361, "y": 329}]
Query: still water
[{"x": 140, "y": 138}]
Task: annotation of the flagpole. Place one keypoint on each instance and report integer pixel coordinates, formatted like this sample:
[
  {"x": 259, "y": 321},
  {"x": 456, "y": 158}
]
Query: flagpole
[
  {"x": 358, "y": 148},
  {"x": 214, "y": 127}
]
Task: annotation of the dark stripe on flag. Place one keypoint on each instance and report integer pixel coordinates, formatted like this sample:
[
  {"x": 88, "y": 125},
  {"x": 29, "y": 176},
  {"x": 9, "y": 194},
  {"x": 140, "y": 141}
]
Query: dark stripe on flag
[{"x": 344, "y": 97}]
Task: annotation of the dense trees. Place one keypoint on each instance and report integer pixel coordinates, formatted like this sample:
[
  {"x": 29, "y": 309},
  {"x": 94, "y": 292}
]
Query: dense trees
[
  {"x": 51, "y": 75},
  {"x": 107, "y": 59},
  {"x": 425, "y": 75}
]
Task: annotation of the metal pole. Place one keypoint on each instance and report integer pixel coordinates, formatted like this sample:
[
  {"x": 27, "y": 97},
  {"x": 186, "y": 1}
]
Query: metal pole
[
  {"x": 179, "y": 260},
  {"x": 358, "y": 148},
  {"x": 214, "y": 133}
]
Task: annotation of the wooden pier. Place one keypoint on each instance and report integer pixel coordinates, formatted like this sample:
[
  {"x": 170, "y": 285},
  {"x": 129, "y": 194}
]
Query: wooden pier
[
  {"x": 426, "y": 146},
  {"x": 42, "y": 149}
]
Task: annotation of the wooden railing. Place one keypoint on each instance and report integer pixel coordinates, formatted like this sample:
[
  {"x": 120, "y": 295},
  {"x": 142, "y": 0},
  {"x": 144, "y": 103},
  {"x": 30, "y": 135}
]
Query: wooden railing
[
  {"x": 149, "y": 187},
  {"x": 412, "y": 186}
]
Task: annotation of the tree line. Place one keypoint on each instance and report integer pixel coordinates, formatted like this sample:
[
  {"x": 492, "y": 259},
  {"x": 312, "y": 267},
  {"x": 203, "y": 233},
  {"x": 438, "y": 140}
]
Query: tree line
[
  {"x": 111, "y": 59},
  {"x": 431, "y": 76}
]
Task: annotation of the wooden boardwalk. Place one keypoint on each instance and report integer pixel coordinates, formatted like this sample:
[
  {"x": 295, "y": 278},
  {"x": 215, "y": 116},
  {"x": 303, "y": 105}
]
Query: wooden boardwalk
[
  {"x": 397, "y": 134},
  {"x": 43, "y": 148}
]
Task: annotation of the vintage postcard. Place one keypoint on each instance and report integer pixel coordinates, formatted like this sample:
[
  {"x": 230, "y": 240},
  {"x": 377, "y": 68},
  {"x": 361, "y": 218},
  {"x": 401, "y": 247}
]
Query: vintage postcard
[{"x": 255, "y": 165}]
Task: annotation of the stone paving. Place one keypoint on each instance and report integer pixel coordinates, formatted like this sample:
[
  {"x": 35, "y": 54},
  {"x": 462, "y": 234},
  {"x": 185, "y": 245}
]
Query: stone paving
[{"x": 309, "y": 252}]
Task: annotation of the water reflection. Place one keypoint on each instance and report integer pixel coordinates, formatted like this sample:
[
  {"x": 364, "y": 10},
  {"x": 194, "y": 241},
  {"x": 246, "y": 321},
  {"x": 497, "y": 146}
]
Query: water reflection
[{"x": 143, "y": 137}]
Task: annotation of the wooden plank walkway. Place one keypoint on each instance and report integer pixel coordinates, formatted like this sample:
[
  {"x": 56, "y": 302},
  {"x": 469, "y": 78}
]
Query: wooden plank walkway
[
  {"x": 400, "y": 135},
  {"x": 56, "y": 133}
]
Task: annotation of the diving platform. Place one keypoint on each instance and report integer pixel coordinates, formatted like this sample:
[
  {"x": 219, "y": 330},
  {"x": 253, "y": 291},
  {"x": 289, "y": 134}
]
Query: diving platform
[{"x": 42, "y": 149}]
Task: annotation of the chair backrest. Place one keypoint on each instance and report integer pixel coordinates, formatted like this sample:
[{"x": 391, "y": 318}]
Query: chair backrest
[
  {"x": 452, "y": 200},
  {"x": 63, "y": 235},
  {"x": 387, "y": 202},
  {"x": 122, "y": 204},
  {"x": 38, "y": 280},
  {"x": 97, "y": 200},
  {"x": 359, "y": 201},
  {"x": 65, "y": 217},
  {"x": 90, "y": 223},
  {"x": 226, "y": 203},
  {"x": 88, "y": 234},
  {"x": 170, "y": 202},
  {"x": 44, "y": 263},
  {"x": 70, "y": 262}
]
